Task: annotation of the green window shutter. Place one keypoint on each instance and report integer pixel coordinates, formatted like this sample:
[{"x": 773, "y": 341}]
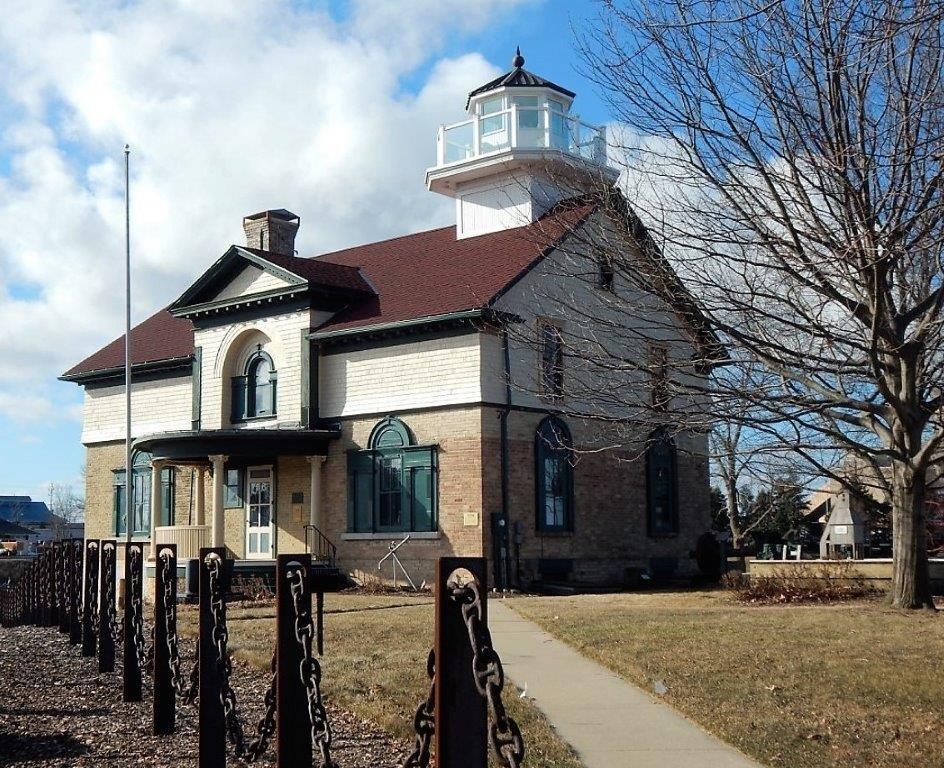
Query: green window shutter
[
  {"x": 238, "y": 398},
  {"x": 168, "y": 490},
  {"x": 118, "y": 502},
  {"x": 360, "y": 493},
  {"x": 422, "y": 486}
]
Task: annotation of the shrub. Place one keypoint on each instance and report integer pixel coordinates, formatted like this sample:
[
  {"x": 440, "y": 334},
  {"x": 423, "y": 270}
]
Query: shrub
[{"x": 824, "y": 583}]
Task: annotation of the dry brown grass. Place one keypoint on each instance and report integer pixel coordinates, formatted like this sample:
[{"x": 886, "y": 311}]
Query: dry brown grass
[
  {"x": 375, "y": 663},
  {"x": 856, "y": 684}
]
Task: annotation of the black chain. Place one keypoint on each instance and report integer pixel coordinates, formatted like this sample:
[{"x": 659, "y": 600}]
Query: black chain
[
  {"x": 187, "y": 693},
  {"x": 137, "y": 614},
  {"x": 234, "y": 729},
  {"x": 91, "y": 602},
  {"x": 489, "y": 677},
  {"x": 310, "y": 669},
  {"x": 266, "y": 728},
  {"x": 424, "y": 721}
]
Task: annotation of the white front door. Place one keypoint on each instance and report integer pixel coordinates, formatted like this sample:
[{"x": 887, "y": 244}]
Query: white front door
[{"x": 259, "y": 500}]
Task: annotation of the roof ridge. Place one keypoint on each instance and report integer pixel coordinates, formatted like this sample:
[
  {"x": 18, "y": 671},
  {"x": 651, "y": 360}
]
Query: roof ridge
[{"x": 374, "y": 242}]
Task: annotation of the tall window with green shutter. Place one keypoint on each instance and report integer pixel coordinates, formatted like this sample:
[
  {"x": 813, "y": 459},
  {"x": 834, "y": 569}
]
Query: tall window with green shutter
[
  {"x": 141, "y": 497},
  {"x": 392, "y": 485},
  {"x": 554, "y": 476}
]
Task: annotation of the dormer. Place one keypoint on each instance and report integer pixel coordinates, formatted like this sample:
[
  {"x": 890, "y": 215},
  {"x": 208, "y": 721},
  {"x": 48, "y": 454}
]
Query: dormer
[{"x": 520, "y": 150}]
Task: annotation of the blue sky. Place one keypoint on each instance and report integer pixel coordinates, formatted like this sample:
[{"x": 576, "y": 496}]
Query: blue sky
[{"x": 230, "y": 107}]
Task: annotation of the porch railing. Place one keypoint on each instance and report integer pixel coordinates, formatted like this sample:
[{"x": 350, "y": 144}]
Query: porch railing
[
  {"x": 188, "y": 538},
  {"x": 319, "y": 546},
  {"x": 520, "y": 128}
]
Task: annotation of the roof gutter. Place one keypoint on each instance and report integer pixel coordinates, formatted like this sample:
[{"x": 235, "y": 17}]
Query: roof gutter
[
  {"x": 151, "y": 366},
  {"x": 470, "y": 316}
]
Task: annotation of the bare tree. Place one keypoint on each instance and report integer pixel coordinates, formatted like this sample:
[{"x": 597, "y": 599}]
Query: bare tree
[
  {"x": 790, "y": 156},
  {"x": 66, "y": 504}
]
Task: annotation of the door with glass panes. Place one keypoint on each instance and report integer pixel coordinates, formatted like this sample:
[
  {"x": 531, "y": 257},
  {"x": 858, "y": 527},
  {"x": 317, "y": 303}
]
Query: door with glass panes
[{"x": 259, "y": 501}]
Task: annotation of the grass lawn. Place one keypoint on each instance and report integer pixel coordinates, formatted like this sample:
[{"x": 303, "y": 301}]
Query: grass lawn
[
  {"x": 856, "y": 684},
  {"x": 375, "y": 664}
]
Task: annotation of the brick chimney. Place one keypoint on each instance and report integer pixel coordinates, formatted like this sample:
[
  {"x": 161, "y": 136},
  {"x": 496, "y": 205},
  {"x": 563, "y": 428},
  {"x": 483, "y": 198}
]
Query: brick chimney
[{"x": 272, "y": 231}]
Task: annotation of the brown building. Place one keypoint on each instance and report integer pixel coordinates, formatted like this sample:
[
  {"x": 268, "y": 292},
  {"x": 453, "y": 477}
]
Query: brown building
[{"x": 412, "y": 387}]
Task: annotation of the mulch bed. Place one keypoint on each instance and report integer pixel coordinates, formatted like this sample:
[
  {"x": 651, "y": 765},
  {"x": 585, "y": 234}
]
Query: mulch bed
[{"x": 57, "y": 710}]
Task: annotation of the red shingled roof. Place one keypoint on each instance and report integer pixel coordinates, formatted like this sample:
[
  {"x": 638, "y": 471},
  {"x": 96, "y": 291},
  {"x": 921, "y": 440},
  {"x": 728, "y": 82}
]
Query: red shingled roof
[
  {"x": 317, "y": 271},
  {"x": 415, "y": 276},
  {"x": 161, "y": 337},
  {"x": 432, "y": 273}
]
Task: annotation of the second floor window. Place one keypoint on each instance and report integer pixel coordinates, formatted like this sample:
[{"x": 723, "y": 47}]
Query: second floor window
[
  {"x": 659, "y": 376},
  {"x": 254, "y": 393},
  {"x": 551, "y": 339}
]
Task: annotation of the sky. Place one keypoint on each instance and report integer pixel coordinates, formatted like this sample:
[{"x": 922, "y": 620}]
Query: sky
[{"x": 329, "y": 109}]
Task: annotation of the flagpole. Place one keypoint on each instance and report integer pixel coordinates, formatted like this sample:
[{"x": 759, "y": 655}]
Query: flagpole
[{"x": 129, "y": 478}]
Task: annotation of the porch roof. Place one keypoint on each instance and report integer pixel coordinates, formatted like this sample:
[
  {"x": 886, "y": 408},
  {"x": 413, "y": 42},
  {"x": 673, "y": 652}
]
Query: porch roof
[{"x": 197, "y": 445}]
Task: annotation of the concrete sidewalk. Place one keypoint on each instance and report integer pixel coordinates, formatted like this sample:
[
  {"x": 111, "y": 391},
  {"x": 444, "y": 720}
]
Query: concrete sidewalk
[{"x": 609, "y": 722}]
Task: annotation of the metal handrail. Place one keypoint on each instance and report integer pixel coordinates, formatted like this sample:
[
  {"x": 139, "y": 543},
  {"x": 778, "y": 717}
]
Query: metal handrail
[{"x": 326, "y": 551}]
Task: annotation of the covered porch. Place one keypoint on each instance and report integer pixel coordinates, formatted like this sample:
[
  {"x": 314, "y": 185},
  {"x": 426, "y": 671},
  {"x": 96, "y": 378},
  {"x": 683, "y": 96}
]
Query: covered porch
[{"x": 240, "y": 468}]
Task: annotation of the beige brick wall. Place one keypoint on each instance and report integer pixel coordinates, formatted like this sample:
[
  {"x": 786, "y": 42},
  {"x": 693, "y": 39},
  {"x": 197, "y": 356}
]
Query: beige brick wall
[
  {"x": 609, "y": 503},
  {"x": 101, "y": 459},
  {"x": 458, "y": 433}
]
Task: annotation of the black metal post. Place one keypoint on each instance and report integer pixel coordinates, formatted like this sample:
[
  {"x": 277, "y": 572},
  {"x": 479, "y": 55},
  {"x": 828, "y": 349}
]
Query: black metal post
[
  {"x": 90, "y": 594},
  {"x": 320, "y": 583},
  {"x": 211, "y": 718},
  {"x": 133, "y": 593},
  {"x": 62, "y": 611},
  {"x": 165, "y": 601},
  {"x": 106, "y": 610},
  {"x": 293, "y": 732},
  {"x": 461, "y": 713},
  {"x": 75, "y": 591},
  {"x": 42, "y": 618}
]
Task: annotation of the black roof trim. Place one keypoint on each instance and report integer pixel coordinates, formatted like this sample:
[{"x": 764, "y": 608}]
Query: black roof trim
[{"x": 518, "y": 78}]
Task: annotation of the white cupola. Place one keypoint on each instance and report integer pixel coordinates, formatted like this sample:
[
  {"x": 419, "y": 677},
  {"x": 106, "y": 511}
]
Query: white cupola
[{"x": 519, "y": 152}]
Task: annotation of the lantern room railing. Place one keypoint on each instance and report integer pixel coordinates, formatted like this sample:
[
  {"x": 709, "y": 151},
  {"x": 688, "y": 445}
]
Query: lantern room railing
[{"x": 520, "y": 128}]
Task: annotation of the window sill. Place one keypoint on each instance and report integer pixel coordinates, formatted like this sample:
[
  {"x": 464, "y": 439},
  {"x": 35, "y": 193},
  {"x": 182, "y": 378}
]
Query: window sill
[
  {"x": 554, "y": 534},
  {"x": 391, "y": 535},
  {"x": 674, "y": 535},
  {"x": 245, "y": 419}
]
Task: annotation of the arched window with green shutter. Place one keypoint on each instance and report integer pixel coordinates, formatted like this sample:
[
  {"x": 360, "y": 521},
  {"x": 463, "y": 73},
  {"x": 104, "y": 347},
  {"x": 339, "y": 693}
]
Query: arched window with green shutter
[
  {"x": 392, "y": 485},
  {"x": 662, "y": 484},
  {"x": 554, "y": 476}
]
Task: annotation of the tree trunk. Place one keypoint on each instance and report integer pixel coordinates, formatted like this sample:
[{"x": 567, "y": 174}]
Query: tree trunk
[
  {"x": 911, "y": 584},
  {"x": 737, "y": 538}
]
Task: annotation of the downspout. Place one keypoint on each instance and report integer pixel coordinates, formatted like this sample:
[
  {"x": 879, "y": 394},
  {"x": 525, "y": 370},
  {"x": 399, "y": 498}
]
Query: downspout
[{"x": 503, "y": 427}]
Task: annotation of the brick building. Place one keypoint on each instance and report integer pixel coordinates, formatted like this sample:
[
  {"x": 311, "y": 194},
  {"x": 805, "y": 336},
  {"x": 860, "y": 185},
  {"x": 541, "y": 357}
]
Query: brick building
[{"x": 415, "y": 386}]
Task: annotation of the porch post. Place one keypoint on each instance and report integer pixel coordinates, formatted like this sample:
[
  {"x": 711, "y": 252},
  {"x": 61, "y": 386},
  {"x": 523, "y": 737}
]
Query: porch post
[
  {"x": 199, "y": 511},
  {"x": 156, "y": 467},
  {"x": 218, "y": 480},
  {"x": 314, "y": 506}
]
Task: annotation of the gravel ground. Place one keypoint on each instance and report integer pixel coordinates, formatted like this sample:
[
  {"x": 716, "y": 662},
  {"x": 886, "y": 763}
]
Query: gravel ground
[{"x": 57, "y": 710}]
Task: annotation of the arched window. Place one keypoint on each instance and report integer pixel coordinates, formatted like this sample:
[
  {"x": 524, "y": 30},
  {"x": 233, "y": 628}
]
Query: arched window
[
  {"x": 554, "y": 476},
  {"x": 392, "y": 485},
  {"x": 662, "y": 484},
  {"x": 141, "y": 496},
  {"x": 254, "y": 393}
]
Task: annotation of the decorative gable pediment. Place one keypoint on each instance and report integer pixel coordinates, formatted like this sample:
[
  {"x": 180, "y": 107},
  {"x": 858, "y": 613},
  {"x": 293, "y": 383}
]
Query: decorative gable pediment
[
  {"x": 238, "y": 276},
  {"x": 252, "y": 280}
]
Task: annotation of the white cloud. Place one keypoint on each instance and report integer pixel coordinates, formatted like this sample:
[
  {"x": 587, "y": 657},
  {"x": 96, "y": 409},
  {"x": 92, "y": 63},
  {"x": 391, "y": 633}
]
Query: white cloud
[{"x": 230, "y": 108}]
